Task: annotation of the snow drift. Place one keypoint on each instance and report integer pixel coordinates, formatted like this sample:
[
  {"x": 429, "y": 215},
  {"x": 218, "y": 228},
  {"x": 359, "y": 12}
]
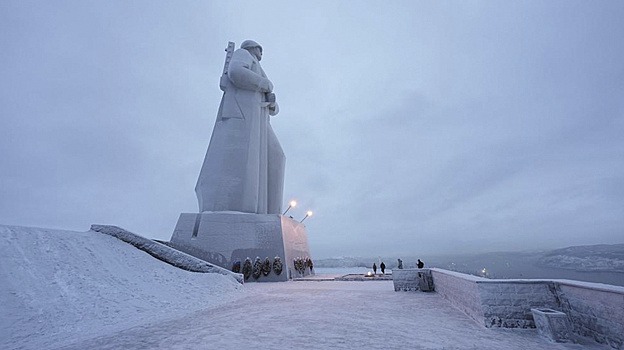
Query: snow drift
[{"x": 58, "y": 287}]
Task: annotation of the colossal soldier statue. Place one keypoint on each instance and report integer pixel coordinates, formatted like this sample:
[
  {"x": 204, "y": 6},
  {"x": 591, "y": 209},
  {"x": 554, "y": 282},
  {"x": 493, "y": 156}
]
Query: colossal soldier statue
[
  {"x": 241, "y": 182},
  {"x": 243, "y": 169}
]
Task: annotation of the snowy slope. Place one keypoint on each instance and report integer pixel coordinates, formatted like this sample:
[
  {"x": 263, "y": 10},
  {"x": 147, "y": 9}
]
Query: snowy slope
[{"x": 58, "y": 287}]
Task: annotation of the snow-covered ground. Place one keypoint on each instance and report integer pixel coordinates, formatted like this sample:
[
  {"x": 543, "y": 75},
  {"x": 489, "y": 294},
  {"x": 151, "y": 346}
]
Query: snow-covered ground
[
  {"x": 326, "y": 315},
  {"x": 85, "y": 290},
  {"x": 57, "y": 287}
]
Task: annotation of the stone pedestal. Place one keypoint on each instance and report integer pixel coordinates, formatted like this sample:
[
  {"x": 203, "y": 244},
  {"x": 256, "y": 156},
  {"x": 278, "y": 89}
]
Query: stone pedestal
[
  {"x": 223, "y": 238},
  {"x": 552, "y": 324}
]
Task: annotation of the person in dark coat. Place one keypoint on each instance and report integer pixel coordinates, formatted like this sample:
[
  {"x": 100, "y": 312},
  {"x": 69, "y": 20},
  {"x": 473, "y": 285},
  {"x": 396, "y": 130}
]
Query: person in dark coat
[
  {"x": 374, "y": 269},
  {"x": 420, "y": 264},
  {"x": 383, "y": 268}
]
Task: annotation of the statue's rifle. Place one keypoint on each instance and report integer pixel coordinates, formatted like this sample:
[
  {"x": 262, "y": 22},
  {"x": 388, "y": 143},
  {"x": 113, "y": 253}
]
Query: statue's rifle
[{"x": 228, "y": 57}]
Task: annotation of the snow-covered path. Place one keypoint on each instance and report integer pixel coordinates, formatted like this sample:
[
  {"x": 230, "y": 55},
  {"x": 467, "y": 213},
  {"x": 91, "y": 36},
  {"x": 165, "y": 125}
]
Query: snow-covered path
[{"x": 326, "y": 315}]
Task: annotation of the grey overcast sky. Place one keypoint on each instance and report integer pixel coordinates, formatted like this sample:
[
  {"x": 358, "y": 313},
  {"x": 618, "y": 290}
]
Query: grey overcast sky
[{"x": 409, "y": 127}]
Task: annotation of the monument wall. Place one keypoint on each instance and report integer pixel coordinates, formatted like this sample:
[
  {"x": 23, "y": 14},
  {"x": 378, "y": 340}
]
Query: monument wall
[
  {"x": 224, "y": 238},
  {"x": 295, "y": 244}
]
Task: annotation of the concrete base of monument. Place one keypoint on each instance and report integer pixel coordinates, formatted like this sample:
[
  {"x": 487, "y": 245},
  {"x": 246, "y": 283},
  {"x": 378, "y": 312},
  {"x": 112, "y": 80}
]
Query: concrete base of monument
[{"x": 227, "y": 239}]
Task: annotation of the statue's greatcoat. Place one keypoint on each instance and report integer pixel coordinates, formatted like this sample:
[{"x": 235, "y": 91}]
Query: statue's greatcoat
[{"x": 244, "y": 165}]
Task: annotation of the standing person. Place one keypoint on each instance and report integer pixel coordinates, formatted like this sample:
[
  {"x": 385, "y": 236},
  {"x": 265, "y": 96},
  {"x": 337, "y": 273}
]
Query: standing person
[
  {"x": 400, "y": 267},
  {"x": 383, "y": 268},
  {"x": 420, "y": 264},
  {"x": 244, "y": 166},
  {"x": 374, "y": 269}
]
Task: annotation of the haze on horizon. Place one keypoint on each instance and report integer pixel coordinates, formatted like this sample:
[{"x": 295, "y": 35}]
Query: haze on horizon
[{"x": 409, "y": 127}]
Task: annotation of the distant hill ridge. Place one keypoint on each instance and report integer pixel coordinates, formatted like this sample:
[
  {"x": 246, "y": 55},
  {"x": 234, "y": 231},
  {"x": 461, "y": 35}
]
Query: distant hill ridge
[{"x": 600, "y": 257}]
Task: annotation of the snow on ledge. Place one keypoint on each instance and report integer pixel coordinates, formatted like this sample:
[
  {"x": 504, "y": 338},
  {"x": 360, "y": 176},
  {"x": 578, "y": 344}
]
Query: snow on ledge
[
  {"x": 165, "y": 253},
  {"x": 582, "y": 284},
  {"x": 464, "y": 276}
]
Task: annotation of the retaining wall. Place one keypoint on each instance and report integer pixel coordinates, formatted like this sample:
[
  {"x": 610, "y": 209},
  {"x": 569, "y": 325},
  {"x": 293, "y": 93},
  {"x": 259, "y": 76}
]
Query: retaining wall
[
  {"x": 405, "y": 279},
  {"x": 595, "y": 310},
  {"x": 508, "y": 303}
]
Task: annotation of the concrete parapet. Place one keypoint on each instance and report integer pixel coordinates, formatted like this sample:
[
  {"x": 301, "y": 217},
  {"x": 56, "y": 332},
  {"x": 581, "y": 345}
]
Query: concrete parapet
[
  {"x": 412, "y": 280},
  {"x": 595, "y": 310},
  {"x": 461, "y": 290},
  {"x": 405, "y": 280}
]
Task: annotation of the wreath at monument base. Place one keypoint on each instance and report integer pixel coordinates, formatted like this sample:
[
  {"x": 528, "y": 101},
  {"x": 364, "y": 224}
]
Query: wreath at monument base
[
  {"x": 257, "y": 268},
  {"x": 299, "y": 265},
  {"x": 266, "y": 267},
  {"x": 236, "y": 267},
  {"x": 247, "y": 268},
  {"x": 277, "y": 265}
]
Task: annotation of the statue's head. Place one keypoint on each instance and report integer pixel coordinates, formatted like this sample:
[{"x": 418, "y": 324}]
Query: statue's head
[{"x": 253, "y": 47}]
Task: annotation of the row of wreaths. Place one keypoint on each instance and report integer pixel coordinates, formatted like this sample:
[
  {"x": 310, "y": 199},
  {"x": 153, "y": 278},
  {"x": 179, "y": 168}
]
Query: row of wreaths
[
  {"x": 263, "y": 268},
  {"x": 302, "y": 264},
  {"x": 259, "y": 267}
]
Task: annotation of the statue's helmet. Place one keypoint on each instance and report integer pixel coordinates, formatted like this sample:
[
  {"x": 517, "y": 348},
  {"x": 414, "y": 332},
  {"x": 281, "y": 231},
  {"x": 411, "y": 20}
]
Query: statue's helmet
[{"x": 247, "y": 44}]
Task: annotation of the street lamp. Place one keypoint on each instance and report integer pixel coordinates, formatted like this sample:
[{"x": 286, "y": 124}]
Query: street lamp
[
  {"x": 292, "y": 204},
  {"x": 308, "y": 213}
]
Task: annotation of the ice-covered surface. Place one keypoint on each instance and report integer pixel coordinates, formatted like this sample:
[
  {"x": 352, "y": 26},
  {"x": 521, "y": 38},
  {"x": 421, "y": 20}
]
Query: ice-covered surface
[
  {"x": 82, "y": 290},
  {"x": 58, "y": 287}
]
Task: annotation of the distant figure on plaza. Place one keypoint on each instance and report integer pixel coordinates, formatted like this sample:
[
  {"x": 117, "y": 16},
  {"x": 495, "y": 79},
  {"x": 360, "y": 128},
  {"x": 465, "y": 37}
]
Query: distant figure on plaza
[
  {"x": 374, "y": 269},
  {"x": 243, "y": 169},
  {"x": 400, "y": 267},
  {"x": 383, "y": 268},
  {"x": 420, "y": 264}
]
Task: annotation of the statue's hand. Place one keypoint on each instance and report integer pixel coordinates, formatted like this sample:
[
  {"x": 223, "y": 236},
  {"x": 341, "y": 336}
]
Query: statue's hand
[{"x": 270, "y": 97}]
